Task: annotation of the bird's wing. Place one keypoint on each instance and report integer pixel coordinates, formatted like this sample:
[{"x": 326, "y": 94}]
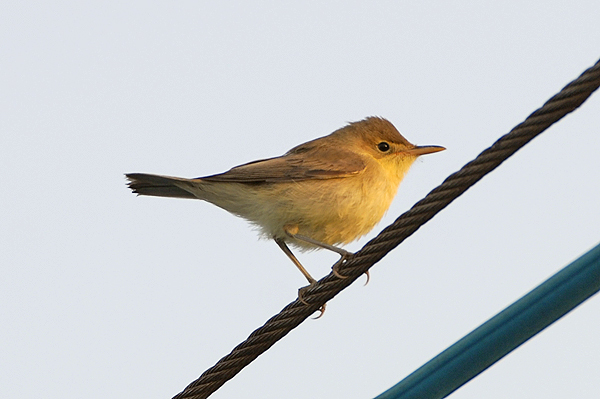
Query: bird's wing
[{"x": 297, "y": 165}]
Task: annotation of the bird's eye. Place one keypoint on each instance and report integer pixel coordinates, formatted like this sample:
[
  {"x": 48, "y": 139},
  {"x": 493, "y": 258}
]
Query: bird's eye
[{"x": 383, "y": 146}]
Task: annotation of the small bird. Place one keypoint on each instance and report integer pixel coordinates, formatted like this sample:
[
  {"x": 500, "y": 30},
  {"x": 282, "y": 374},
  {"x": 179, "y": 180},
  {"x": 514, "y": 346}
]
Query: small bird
[{"x": 320, "y": 194}]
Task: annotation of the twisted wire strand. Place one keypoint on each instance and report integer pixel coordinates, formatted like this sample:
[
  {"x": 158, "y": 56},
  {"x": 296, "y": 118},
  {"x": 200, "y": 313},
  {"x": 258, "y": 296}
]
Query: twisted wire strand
[{"x": 567, "y": 100}]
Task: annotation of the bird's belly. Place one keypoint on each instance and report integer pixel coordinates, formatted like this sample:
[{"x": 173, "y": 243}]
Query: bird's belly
[{"x": 334, "y": 211}]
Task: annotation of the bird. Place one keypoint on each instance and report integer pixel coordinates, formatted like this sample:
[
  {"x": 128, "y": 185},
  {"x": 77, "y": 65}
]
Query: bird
[{"x": 323, "y": 193}]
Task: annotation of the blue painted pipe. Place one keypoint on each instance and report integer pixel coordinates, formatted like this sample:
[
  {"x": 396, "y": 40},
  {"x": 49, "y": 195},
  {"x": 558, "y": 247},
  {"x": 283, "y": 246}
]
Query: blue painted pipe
[{"x": 504, "y": 332}]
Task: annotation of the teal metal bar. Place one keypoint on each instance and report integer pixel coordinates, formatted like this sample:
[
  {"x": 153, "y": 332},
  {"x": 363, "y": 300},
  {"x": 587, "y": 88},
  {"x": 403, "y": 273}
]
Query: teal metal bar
[{"x": 504, "y": 332}]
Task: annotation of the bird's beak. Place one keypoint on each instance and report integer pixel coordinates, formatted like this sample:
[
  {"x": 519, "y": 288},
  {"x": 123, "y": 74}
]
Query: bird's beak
[{"x": 424, "y": 149}]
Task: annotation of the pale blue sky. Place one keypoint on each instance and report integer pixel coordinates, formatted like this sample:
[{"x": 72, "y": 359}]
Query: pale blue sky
[{"x": 105, "y": 295}]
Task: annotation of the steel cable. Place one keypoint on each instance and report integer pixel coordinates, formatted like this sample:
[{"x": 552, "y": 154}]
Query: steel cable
[{"x": 566, "y": 101}]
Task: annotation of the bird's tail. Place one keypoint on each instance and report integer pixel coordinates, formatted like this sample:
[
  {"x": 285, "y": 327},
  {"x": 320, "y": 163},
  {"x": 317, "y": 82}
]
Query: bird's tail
[{"x": 159, "y": 186}]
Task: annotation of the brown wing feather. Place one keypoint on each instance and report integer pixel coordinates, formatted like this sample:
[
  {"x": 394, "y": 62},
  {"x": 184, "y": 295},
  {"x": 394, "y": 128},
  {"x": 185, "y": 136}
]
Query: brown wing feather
[{"x": 316, "y": 163}]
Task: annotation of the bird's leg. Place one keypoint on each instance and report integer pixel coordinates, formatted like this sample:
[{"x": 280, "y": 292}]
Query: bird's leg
[
  {"x": 333, "y": 248},
  {"x": 292, "y": 231},
  {"x": 296, "y": 262}
]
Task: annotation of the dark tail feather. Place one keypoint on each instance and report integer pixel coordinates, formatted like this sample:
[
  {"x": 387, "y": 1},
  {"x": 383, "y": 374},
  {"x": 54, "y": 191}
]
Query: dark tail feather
[{"x": 158, "y": 186}]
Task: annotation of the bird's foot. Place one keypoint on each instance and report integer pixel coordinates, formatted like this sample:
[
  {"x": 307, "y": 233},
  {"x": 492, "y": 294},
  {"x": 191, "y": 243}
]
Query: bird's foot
[
  {"x": 335, "y": 269},
  {"x": 301, "y": 299}
]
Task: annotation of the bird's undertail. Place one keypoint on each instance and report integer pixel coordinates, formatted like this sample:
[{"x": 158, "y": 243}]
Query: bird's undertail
[{"x": 158, "y": 186}]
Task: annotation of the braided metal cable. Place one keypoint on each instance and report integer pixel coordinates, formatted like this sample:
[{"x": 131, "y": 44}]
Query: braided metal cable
[{"x": 567, "y": 100}]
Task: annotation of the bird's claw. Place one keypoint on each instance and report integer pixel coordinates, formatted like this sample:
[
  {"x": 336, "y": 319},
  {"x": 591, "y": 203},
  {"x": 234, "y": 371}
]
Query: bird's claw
[
  {"x": 335, "y": 269},
  {"x": 301, "y": 299}
]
